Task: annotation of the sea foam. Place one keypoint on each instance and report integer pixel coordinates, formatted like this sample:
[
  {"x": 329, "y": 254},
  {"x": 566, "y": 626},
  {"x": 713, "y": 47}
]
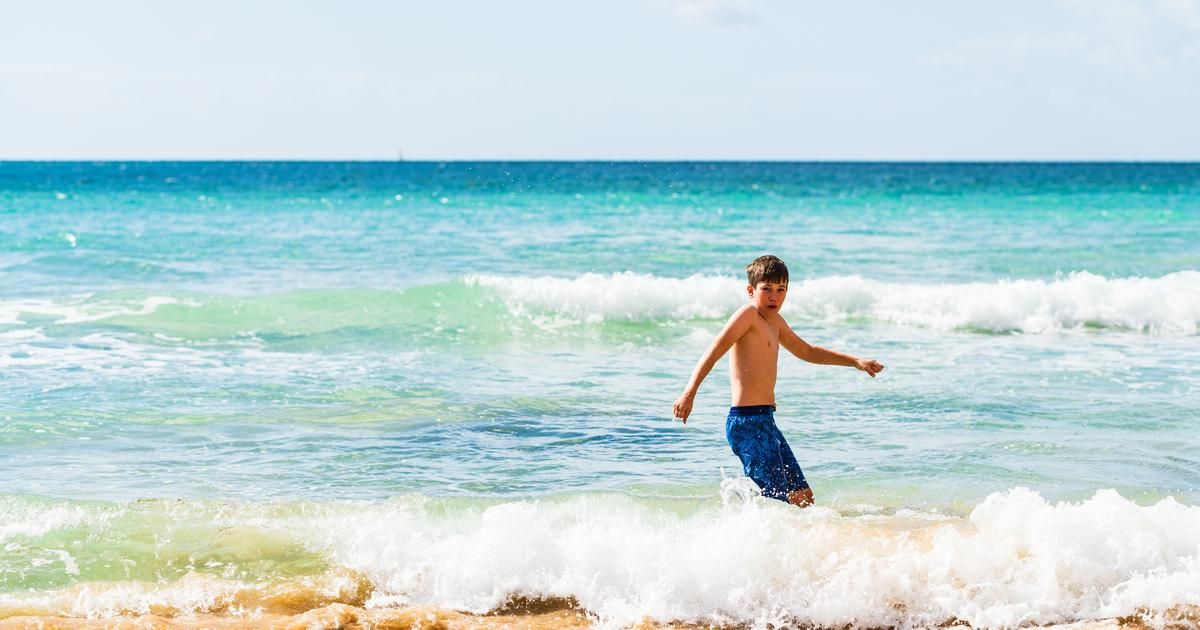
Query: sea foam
[
  {"x": 1016, "y": 559},
  {"x": 77, "y": 309},
  {"x": 1166, "y": 305}
]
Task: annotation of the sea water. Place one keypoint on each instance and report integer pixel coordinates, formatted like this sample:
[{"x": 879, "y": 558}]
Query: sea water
[{"x": 450, "y": 384}]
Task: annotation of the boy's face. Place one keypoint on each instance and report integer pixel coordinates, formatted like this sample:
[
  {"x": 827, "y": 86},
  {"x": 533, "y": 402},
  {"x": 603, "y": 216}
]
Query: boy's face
[{"x": 767, "y": 297}]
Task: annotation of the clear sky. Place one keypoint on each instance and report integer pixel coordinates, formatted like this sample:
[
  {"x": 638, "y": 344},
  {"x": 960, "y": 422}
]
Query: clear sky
[{"x": 614, "y": 79}]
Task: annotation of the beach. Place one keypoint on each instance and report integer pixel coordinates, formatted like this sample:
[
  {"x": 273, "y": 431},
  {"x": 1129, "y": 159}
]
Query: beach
[
  {"x": 344, "y": 616},
  {"x": 427, "y": 394}
]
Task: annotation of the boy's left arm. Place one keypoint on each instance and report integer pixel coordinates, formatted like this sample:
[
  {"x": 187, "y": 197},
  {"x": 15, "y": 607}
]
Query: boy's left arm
[{"x": 816, "y": 354}]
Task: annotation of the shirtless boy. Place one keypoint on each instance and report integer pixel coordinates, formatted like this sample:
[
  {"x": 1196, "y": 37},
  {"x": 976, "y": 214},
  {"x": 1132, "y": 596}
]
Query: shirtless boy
[{"x": 755, "y": 333}]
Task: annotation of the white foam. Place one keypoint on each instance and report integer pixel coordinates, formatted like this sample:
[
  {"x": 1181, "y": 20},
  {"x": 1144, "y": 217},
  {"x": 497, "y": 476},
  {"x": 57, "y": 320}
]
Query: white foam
[
  {"x": 79, "y": 309},
  {"x": 194, "y": 593},
  {"x": 595, "y": 297},
  {"x": 22, "y": 519},
  {"x": 117, "y": 356},
  {"x": 1017, "y": 559},
  {"x": 1166, "y": 305}
]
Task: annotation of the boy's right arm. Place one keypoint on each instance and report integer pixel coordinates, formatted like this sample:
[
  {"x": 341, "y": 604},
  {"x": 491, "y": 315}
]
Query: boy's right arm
[{"x": 737, "y": 326}]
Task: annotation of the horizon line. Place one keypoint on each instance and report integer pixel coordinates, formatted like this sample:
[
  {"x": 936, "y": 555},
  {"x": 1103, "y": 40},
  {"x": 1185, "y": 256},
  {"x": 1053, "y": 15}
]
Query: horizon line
[{"x": 624, "y": 160}]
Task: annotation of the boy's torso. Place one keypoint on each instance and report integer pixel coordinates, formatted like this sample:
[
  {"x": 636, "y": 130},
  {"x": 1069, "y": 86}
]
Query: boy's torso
[{"x": 753, "y": 362}]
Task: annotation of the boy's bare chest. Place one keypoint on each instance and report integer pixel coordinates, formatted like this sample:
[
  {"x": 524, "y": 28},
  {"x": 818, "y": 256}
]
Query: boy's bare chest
[{"x": 760, "y": 341}]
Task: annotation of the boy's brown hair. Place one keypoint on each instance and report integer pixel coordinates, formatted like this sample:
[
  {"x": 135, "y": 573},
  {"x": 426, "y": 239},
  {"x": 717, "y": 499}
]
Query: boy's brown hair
[{"x": 766, "y": 269}]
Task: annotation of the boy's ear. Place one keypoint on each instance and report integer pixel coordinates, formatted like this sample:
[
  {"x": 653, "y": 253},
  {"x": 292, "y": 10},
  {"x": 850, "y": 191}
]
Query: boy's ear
[{"x": 749, "y": 289}]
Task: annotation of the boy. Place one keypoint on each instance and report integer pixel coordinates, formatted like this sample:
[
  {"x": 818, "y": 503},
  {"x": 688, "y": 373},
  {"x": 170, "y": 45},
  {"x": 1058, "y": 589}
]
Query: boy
[{"x": 755, "y": 333}]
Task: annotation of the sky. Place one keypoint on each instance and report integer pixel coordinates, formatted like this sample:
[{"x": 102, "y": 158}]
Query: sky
[{"x": 614, "y": 79}]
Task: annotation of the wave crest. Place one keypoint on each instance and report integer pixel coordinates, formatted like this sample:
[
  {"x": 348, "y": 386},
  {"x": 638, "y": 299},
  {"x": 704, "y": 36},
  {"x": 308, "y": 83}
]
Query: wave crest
[
  {"x": 1166, "y": 305},
  {"x": 492, "y": 307}
]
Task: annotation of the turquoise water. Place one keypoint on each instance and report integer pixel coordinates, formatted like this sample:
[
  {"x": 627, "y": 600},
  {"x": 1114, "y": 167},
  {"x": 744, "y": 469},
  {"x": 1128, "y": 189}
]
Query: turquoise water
[{"x": 260, "y": 343}]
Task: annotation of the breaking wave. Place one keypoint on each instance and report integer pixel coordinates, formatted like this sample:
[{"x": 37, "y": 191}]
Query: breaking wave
[
  {"x": 1015, "y": 559},
  {"x": 1166, "y": 305},
  {"x": 495, "y": 308}
]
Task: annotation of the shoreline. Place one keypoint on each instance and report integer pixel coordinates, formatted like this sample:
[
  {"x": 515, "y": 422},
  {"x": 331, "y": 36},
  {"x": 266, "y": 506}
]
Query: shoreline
[{"x": 532, "y": 614}]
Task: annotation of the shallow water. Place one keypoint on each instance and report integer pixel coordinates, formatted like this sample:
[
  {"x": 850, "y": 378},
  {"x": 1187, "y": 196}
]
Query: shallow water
[{"x": 455, "y": 380}]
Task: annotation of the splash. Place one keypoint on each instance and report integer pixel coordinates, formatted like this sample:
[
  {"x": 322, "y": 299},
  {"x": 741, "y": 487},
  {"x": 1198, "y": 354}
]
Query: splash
[{"x": 1015, "y": 560}]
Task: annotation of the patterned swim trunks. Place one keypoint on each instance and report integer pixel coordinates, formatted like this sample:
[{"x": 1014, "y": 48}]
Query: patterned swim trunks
[{"x": 766, "y": 456}]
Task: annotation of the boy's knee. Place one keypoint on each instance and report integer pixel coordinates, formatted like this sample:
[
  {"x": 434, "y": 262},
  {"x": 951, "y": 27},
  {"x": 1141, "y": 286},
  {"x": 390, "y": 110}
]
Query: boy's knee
[{"x": 801, "y": 498}]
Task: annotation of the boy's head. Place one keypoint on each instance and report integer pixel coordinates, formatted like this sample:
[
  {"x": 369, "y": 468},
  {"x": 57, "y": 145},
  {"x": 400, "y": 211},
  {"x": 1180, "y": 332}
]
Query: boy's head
[
  {"x": 768, "y": 279},
  {"x": 766, "y": 269}
]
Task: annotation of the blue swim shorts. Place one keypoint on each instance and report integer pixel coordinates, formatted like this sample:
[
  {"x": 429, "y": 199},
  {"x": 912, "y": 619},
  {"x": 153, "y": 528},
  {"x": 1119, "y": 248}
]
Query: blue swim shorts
[{"x": 766, "y": 456}]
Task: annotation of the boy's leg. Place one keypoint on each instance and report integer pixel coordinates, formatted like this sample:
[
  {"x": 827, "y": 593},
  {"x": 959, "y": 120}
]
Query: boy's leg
[
  {"x": 766, "y": 456},
  {"x": 799, "y": 493},
  {"x": 801, "y": 498}
]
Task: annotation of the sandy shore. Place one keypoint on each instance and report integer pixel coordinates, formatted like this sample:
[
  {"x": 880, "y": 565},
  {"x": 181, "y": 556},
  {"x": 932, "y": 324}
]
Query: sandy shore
[
  {"x": 537, "y": 615},
  {"x": 295, "y": 608}
]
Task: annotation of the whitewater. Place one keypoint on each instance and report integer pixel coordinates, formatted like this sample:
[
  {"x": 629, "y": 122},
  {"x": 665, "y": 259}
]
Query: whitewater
[{"x": 1014, "y": 559}]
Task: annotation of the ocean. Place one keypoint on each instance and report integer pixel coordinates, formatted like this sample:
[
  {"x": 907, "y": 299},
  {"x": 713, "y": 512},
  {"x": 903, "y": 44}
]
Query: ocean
[{"x": 250, "y": 391}]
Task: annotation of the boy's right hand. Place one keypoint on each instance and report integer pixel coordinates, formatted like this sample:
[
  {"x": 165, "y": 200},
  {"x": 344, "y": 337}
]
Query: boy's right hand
[{"x": 683, "y": 406}]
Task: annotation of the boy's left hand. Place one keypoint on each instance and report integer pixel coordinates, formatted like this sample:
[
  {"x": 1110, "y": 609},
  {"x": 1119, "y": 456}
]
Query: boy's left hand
[{"x": 870, "y": 366}]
